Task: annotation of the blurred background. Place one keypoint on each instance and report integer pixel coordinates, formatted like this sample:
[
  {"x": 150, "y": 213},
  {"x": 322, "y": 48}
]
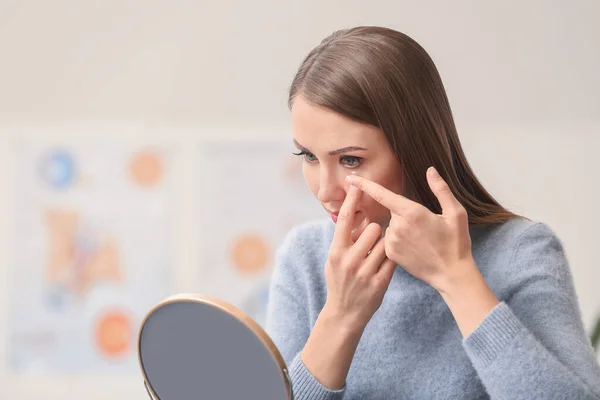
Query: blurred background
[{"x": 145, "y": 151}]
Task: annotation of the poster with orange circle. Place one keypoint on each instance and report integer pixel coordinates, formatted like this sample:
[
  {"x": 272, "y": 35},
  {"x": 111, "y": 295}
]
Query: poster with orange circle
[{"x": 252, "y": 193}]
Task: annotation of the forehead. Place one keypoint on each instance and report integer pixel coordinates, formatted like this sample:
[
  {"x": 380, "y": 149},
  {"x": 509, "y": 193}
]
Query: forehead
[{"x": 314, "y": 124}]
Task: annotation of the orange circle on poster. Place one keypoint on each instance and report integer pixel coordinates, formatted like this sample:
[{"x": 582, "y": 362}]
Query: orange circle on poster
[
  {"x": 145, "y": 168},
  {"x": 113, "y": 334},
  {"x": 250, "y": 253}
]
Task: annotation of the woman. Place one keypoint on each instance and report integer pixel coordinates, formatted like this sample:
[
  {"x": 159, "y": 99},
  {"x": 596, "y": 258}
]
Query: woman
[{"x": 421, "y": 285}]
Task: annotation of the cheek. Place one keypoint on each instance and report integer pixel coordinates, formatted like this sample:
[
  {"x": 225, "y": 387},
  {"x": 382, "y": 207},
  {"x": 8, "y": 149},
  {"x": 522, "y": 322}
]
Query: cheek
[
  {"x": 389, "y": 175},
  {"x": 390, "y": 179},
  {"x": 375, "y": 211}
]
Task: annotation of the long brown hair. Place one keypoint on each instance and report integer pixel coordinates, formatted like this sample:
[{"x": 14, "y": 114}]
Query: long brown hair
[{"x": 382, "y": 77}]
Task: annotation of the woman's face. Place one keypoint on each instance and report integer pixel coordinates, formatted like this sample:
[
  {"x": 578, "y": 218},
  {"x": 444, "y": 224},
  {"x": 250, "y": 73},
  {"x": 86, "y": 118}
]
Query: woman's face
[{"x": 333, "y": 146}]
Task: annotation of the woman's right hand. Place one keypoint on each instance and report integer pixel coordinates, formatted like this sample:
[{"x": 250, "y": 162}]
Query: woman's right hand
[
  {"x": 357, "y": 271},
  {"x": 356, "y": 283}
]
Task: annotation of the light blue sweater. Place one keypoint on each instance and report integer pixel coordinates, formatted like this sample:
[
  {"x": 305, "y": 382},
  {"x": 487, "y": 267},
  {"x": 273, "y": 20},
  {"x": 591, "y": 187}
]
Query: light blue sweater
[{"x": 531, "y": 346}]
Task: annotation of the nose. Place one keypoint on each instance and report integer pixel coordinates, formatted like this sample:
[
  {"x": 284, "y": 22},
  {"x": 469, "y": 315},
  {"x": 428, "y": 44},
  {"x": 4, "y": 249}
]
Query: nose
[{"x": 331, "y": 186}]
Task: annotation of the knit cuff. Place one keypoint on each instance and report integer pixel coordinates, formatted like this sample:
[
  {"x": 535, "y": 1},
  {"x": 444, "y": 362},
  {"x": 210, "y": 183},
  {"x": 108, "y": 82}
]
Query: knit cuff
[
  {"x": 305, "y": 386},
  {"x": 492, "y": 335}
]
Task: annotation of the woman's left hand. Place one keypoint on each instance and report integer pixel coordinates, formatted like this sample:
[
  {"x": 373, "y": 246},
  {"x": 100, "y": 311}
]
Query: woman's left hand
[{"x": 432, "y": 247}]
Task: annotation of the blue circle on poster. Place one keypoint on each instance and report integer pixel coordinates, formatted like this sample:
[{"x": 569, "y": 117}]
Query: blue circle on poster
[{"x": 58, "y": 169}]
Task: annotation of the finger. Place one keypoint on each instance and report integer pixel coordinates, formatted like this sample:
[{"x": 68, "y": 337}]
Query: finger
[
  {"x": 386, "y": 271},
  {"x": 441, "y": 190},
  {"x": 367, "y": 240},
  {"x": 358, "y": 231},
  {"x": 390, "y": 200},
  {"x": 345, "y": 219},
  {"x": 375, "y": 257}
]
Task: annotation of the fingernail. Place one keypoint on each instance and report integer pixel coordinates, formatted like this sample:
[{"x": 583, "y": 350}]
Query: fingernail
[
  {"x": 350, "y": 178},
  {"x": 433, "y": 172}
]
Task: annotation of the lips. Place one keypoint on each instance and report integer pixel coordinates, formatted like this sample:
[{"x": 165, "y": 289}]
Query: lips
[{"x": 334, "y": 215}]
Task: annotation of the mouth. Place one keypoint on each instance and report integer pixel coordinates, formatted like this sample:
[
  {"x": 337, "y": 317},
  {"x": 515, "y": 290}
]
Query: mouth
[{"x": 334, "y": 215}]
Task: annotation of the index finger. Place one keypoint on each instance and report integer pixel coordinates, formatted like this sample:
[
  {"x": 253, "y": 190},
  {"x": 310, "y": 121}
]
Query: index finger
[
  {"x": 392, "y": 201},
  {"x": 345, "y": 219}
]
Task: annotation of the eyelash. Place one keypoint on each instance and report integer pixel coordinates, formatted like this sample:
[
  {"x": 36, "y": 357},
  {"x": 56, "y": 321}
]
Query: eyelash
[{"x": 357, "y": 160}]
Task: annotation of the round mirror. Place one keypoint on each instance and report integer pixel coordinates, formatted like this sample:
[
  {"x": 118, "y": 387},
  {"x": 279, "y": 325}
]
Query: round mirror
[{"x": 198, "y": 347}]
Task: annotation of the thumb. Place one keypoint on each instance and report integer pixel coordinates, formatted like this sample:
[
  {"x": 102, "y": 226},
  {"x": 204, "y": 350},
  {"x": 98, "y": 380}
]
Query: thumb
[{"x": 441, "y": 190}]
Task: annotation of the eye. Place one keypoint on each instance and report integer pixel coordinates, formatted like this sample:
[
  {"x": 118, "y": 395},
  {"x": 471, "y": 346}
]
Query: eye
[
  {"x": 308, "y": 157},
  {"x": 350, "y": 161}
]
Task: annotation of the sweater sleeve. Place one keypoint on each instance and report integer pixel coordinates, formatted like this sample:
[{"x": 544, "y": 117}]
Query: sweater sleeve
[
  {"x": 288, "y": 322},
  {"x": 533, "y": 344}
]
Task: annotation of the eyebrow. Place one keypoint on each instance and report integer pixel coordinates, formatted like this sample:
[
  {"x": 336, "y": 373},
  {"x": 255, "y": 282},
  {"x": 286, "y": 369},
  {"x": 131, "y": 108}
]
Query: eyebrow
[{"x": 333, "y": 152}]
